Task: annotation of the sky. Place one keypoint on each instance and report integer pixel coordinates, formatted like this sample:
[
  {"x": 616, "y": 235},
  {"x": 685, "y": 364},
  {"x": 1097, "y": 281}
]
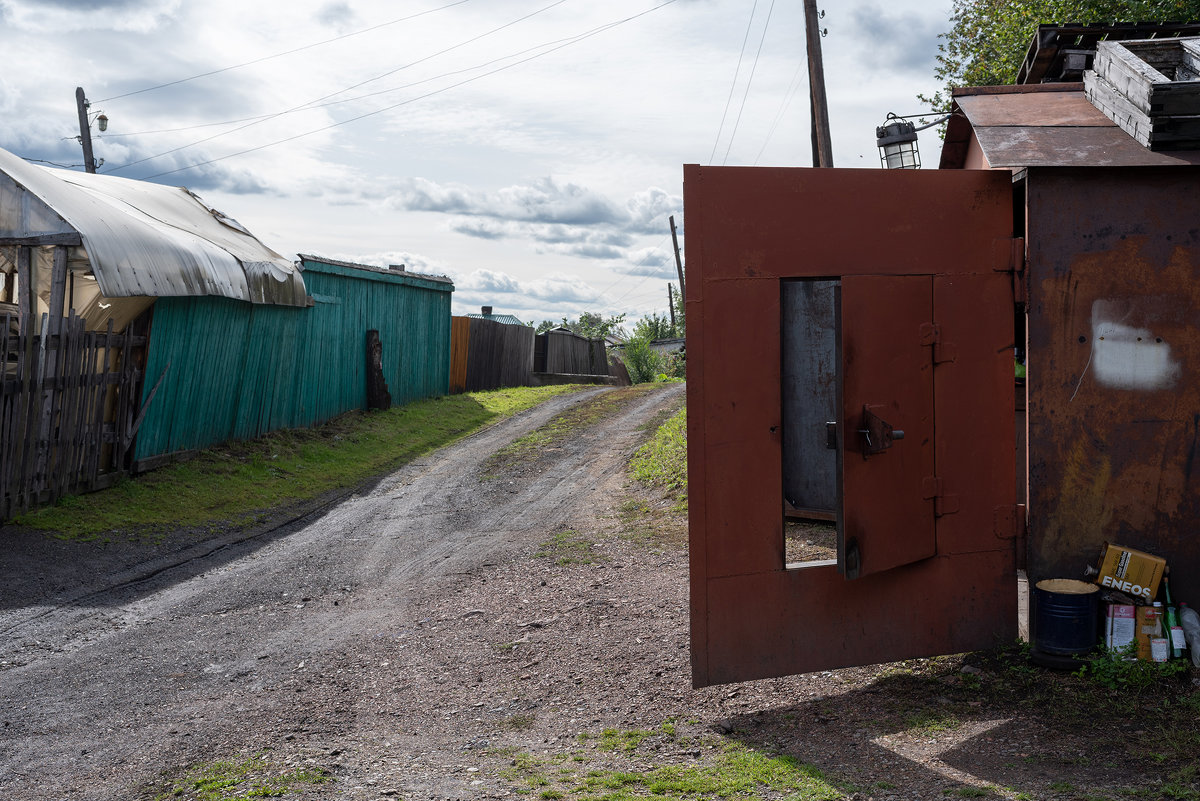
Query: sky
[{"x": 531, "y": 150}]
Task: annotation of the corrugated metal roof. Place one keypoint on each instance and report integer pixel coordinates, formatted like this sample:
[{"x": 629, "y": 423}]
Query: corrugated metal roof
[
  {"x": 144, "y": 239},
  {"x": 440, "y": 283},
  {"x": 507, "y": 319},
  {"x": 1049, "y": 125}
]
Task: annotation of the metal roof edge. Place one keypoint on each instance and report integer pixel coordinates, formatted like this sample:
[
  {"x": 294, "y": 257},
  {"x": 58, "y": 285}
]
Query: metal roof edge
[
  {"x": 320, "y": 264},
  {"x": 1016, "y": 89}
]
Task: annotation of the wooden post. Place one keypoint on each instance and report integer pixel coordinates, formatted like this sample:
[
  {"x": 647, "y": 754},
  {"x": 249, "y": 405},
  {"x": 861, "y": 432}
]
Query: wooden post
[
  {"x": 678, "y": 260},
  {"x": 671, "y": 306},
  {"x": 378, "y": 396},
  {"x": 85, "y": 130},
  {"x": 816, "y": 85}
]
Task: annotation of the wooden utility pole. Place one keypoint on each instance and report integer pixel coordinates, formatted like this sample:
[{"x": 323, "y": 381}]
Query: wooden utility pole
[
  {"x": 822, "y": 146},
  {"x": 85, "y": 130},
  {"x": 671, "y": 306},
  {"x": 678, "y": 260}
]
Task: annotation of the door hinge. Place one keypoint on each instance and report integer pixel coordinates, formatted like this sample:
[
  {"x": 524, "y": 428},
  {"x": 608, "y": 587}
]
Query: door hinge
[
  {"x": 1008, "y": 254},
  {"x": 934, "y": 488},
  {"x": 931, "y": 336},
  {"x": 1008, "y": 522}
]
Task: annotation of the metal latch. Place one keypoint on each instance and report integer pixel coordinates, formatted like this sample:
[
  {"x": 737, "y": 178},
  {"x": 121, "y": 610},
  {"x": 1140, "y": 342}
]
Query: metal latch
[{"x": 876, "y": 433}]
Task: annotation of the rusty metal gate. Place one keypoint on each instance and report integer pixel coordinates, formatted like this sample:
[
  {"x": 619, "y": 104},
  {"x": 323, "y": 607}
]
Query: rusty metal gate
[{"x": 886, "y": 299}]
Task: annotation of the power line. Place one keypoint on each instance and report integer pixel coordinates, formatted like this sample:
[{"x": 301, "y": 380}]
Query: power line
[
  {"x": 285, "y": 53},
  {"x": 414, "y": 99},
  {"x": 315, "y": 105},
  {"x": 737, "y": 70},
  {"x": 783, "y": 106},
  {"x": 749, "y": 81},
  {"x": 51, "y": 163},
  {"x": 304, "y": 106}
]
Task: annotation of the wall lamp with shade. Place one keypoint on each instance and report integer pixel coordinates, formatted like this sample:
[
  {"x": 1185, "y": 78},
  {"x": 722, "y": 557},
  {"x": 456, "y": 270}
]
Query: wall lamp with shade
[{"x": 897, "y": 141}]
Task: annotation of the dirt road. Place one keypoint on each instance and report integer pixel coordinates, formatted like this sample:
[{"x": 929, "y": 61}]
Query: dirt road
[
  {"x": 473, "y": 629},
  {"x": 293, "y": 642}
]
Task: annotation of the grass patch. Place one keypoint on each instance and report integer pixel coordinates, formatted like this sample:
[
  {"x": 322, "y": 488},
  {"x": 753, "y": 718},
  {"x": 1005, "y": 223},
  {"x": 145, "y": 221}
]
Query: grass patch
[
  {"x": 1120, "y": 669},
  {"x": 562, "y": 427},
  {"x": 931, "y": 721},
  {"x": 241, "y": 781},
  {"x": 238, "y": 482},
  {"x": 663, "y": 460},
  {"x": 568, "y": 548},
  {"x": 735, "y": 772}
]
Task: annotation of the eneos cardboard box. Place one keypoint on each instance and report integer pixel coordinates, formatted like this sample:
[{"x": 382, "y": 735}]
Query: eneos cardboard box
[{"x": 1131, "y": 572}]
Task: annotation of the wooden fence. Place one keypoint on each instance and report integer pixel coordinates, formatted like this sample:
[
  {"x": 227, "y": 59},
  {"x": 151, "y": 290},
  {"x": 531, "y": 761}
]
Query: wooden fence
[
  {"x": 68, "y": 409},
  {"x": 489, "y": 355},
  {"x": 562, "y": 351}
]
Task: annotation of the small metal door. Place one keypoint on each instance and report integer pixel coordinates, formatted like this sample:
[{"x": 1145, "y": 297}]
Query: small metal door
[
  {"x": 885, "y": 398},
  {"x": 927, "y": 518}
]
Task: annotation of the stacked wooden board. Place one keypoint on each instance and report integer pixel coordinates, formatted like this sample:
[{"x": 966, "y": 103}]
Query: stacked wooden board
[{"x": 1151, "y": 89}]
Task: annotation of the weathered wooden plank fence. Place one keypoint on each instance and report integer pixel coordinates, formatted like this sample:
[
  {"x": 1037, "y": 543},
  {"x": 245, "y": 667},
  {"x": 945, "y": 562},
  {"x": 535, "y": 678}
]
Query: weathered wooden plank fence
[
  {"x": 563, "y": 351},
  {"x": 67, "y": 409},
  {"x": 491, "y": 355}
]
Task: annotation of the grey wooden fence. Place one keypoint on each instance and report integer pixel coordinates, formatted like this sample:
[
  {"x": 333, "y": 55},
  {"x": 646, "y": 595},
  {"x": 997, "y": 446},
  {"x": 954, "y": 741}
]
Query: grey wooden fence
[
  {"x": 68, "y": 402},
  {"x": 563, "y": 351}
]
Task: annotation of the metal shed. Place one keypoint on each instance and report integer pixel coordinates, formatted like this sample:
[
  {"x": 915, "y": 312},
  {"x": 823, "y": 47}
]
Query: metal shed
[
  {"x": 82, "y": 259},
  {"x": 1078, "y": 250},
  {"x": 237, "y": 370}
]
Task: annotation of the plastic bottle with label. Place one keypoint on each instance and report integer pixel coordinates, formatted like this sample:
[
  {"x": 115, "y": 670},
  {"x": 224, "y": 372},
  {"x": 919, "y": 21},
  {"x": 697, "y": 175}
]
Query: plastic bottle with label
[
  {"x": 1160, "y": 646},
  {"x": 1189, "y": 620},
  {"x": 1171, "y": 623}
]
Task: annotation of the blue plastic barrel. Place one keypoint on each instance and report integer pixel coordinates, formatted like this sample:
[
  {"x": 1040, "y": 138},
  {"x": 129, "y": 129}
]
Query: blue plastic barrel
[{"x": 1066, "y": 616}]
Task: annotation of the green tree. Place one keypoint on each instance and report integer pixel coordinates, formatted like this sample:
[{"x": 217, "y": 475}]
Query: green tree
[
  {"x": 589, "y": 324},
  {"x": 988, "y": 39},
  {"x": 655, "y": 326}
]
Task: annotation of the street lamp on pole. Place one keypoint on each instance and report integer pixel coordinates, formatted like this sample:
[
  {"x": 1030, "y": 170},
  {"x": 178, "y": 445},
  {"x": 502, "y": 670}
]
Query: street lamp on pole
[{"x": 85, "y": 129}]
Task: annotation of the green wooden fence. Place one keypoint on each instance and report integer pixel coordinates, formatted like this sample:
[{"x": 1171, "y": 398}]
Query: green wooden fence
[{"x": 226, "y": 369}]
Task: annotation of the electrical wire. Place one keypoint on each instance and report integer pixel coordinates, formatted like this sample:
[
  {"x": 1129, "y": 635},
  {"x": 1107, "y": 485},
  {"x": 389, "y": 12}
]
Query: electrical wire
[
  {"x": 793, "y": 87},
  {"x": 414, "y": 99},
  {"x": 737, "y": 71},
  {"x": 285, "y": 53},
  {"x": 305, "y": 106},
  {"x": 51, "y": 163},
  {"x": 315, "y": 105},
  {"x": 749, "y": 82}
]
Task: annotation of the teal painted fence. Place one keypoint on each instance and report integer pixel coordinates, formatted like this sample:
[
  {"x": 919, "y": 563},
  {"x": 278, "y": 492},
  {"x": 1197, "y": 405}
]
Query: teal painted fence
[{"x": 235, "y": 370}]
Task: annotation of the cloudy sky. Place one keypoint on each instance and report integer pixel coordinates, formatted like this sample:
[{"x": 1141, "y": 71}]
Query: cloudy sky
[{"x": 532, "y": 150}]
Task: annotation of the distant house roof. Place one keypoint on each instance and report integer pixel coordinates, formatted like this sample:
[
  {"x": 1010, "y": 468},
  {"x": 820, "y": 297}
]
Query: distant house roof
[
  {"x": 143, "y": 239},
  {"x": 1044, "y": 125},
  {"x": 507, "y": 319}
]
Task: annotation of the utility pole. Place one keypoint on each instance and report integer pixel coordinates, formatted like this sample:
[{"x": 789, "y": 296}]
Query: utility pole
[
  {"x": 822, "y": 146},
  {"x": 678, "y": 260},
  {"x": 671, "y": 306},
  {"x": 85, "y": 130}
]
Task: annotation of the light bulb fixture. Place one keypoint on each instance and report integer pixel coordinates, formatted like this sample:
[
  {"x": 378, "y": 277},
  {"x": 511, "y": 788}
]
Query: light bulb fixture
[
  {"x": 102, "y": 120},
  {"x": 897, "y": 141}
]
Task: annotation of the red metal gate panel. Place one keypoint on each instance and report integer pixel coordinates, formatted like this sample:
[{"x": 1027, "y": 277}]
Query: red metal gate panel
[{"x": 948, "y": 236}]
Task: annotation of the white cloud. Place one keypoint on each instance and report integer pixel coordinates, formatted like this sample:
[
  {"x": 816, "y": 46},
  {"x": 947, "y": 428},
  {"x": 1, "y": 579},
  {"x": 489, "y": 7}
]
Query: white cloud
[{"x": 558, "y": 174}]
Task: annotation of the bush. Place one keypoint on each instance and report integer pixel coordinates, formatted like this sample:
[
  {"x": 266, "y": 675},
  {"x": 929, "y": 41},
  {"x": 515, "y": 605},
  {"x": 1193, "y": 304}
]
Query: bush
[{"x": 643, "y": 362}]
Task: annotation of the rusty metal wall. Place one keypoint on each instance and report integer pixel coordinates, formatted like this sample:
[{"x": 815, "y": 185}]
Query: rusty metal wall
[
  {"x": 1114, "y": 368},
  {"x": 749, "y": 230}
]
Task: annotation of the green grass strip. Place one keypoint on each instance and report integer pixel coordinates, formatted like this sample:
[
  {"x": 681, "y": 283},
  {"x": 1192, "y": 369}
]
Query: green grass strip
[
  {"x": 663, "y": 460},
  {"x": 238, "y": 482}
]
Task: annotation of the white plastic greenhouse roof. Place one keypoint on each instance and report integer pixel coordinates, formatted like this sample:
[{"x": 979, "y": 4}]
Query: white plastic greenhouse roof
[{"x": 143, "y": 239}]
